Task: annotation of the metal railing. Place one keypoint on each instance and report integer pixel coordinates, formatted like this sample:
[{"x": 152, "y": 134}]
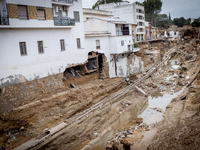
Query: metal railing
[
  {"x": 63, "y": 1},
  {"x": 61, "y": 21},
  {"x": 4, "y": 20},
  {"x": 125, "y": 32}
]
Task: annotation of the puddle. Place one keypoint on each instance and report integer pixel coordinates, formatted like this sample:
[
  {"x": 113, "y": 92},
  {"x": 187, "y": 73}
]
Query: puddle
[{"x": 151, "y": 116}]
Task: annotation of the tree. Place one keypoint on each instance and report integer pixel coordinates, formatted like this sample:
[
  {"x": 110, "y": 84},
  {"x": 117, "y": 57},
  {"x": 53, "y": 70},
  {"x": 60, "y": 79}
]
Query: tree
[
  {"x": 180, "y": 22},
  {"x": 152, "y": 9},
  {"x": 196, "y": 24},
  {"x": 99, "y": 2},
  {"x": 163, "y": 21}
]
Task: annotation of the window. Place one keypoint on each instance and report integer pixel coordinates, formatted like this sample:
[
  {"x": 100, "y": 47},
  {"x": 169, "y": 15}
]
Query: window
[
  {"x": 41, "y": 14},
  {"x": 62, "y": 45},
  {"x": 76, "y": 16},
  {"x": 22, "y": 46},
  {"x": 78, "y": 41},
  {"x": 22, "y": 12},
  {"x": 40, "y": 47},
  {"x": 122, "y": 42},
  {"x": 97, "y": 44}
]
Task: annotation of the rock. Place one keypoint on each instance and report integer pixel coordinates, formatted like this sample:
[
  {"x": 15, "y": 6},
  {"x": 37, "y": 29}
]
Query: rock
[
  {"x": 22, "y": 128},
  {"x": 129, "y": 102},
  {"x": 183, "y": 97},
  {"x": 117, "y": 146},
  {"x": 127, "y": 144},
  {"x": 109, "y": 148},
  {"x": 154, "y": 86},
  {"x": 139, "y": 120},
  {"x": 188, "y": 57},
  {"x": 179, "y": 83}
]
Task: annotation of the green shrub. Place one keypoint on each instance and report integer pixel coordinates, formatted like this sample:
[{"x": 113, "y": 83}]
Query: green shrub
[{"x": 136, "y": 45}]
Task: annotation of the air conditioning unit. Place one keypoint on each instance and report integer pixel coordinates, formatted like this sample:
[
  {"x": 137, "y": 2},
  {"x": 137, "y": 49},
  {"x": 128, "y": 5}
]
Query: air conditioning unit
[{"x": 64, "y": 8}]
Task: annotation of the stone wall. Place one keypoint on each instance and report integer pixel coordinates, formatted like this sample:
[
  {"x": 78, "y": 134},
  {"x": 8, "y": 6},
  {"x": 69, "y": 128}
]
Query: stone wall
[{"x": 19, "y": 94}]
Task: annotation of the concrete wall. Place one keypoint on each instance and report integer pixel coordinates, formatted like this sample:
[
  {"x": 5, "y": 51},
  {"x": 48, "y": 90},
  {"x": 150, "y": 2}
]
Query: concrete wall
[{"x": 125, "y": 65}]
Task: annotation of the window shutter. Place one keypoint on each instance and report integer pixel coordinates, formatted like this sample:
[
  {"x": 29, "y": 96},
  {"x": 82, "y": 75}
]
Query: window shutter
[
  {"x": 40, "y": 14},
  {"x": 22, "y": 12}
]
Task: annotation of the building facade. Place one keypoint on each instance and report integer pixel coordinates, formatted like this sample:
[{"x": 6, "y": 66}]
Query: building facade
[
  {"x": 132, "y": 13},
  {"x": 113, "y": 38},
  {"x": 39, "y": 38}
]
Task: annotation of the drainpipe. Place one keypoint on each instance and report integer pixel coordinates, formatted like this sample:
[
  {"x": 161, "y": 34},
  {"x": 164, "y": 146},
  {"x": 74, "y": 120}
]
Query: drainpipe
[{"x": 115, "y": 65}]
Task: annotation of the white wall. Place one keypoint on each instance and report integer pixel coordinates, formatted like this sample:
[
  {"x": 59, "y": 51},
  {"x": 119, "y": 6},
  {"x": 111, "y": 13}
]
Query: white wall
[
  {"x": 137, "y": 65},
  {"x": 104, "y": 45},
  {"x": 122, "y": 67},
  {"x": 116, "y": 46},
  {"x": 125, "y": 67},
  {"x": 94, "y": 25}
]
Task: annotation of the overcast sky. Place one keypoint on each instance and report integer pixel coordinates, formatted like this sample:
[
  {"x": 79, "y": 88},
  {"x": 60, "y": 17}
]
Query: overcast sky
[{"x": 177, "y": 8}]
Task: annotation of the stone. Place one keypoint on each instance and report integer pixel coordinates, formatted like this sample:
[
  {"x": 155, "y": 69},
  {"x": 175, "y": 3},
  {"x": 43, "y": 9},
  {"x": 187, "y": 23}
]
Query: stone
[
  {"x": 188, "y": 57},
  {"x": 129, "y": 102},
  {"x": 117, "y": 146},
  {"x": 139, "y": 120},
  {"x": 22, "y": 128},
  {"x": 183, "y": 97},
  {"x": 109, "y": 148}
]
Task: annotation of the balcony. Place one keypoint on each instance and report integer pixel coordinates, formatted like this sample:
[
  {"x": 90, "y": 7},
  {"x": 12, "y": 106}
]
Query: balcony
[
  {"x": 125, "y": 32},
  {"x": 63, "y": 21},
  {"x": 122, "y": 30},
  {"x": 4, "y": 20},
  {"x": 62, "y": 2}
]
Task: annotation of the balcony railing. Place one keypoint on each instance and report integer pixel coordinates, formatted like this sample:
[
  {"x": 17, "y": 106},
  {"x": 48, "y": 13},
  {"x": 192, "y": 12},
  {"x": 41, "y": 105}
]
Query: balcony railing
[
  {"x": 63, "y": 21},
  {"x": 125, "y": 32},
  {"x": 63, "y": 1},
  {"x": 4, "y": 20}
]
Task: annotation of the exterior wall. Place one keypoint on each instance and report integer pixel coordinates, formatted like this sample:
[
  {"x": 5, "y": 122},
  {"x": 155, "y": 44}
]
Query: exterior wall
[
  {"x": 116, "y": 46},
  {"x": 17, "y": 69},
  {"x": 127, "y": 12},
  {"x": 104, "y": 45},
  {"x": 92, "y": 25},
  {"x": 104, "y": 49},
  {"x": 135, "y": 6},
  {"x": 35, "y": 65},
  {"x": 126, "y": 66},
  {"x": 95, "y": 13}
]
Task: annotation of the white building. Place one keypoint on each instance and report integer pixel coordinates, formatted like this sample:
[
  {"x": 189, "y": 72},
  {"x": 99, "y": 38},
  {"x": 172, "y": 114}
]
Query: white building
[
  {"x": 132, "y": 13},
  {"x": 39, "y": 38},
  {"x": 113, "y": 38}
]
